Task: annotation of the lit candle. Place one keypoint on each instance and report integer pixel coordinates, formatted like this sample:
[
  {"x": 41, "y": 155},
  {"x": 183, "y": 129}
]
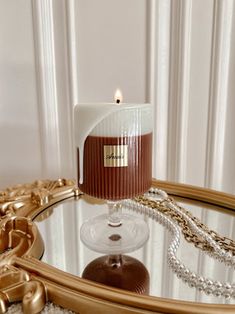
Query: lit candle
[
  {"x": 114, "y": 144},
  {"x": 118, "y": 96}
]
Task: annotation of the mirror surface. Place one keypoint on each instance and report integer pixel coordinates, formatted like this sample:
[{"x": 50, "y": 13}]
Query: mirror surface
[{"x": 59, "y": 226}]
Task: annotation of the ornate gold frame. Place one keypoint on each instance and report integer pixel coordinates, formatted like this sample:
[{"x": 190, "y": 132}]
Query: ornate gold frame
[{"x": 23, "y": 277}]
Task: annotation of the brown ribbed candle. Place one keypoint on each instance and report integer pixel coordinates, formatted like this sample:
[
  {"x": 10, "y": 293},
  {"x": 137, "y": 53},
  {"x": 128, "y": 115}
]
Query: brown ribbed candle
[{"x": 127, "y": 177}]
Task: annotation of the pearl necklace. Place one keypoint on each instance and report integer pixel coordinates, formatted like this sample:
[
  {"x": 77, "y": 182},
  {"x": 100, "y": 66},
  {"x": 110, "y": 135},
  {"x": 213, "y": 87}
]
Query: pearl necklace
[{"x": 201, "y": 283}]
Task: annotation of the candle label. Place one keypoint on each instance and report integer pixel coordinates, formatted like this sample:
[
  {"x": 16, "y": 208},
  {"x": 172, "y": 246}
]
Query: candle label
[{"x": 115, "y": 155}]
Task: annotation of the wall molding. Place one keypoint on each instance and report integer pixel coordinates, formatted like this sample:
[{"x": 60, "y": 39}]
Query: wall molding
[
  {"x": 55, "y": 88},
  {"x": 158, "y": 82},
  {"x": 168, "y": 86},
  {"x": 179, "y": 88},
  {"x": 46, "y": 86},
  {"x": 53, "y": 55},
  {"x": 72, "y": 49},
  {"x": 218, "y": 99}
]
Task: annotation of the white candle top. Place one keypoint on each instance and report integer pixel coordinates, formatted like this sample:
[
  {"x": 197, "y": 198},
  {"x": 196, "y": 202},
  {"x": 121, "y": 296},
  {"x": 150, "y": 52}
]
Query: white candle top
[{"x": 109, "y": 120}]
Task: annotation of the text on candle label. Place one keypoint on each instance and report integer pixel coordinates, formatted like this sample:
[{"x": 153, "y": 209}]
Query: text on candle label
[{"x": 115, "y": 155}]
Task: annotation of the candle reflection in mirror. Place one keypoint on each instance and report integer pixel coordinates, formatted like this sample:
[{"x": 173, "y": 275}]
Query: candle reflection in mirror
[{"x": 119, "y": 271}]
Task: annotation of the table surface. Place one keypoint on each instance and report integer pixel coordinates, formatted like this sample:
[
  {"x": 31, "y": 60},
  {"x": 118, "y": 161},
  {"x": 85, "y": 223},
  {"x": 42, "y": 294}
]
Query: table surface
[{"x": 64, "y": 249}]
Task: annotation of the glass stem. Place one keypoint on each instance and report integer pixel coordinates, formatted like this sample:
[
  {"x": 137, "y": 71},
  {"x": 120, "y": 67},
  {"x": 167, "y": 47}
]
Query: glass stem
[
  {"x": 115, "y": 261},
  {"x": 115, "y": 210}
]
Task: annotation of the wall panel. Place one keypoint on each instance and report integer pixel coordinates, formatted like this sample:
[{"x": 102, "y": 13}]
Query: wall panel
[{"x": 20, "y": 152}]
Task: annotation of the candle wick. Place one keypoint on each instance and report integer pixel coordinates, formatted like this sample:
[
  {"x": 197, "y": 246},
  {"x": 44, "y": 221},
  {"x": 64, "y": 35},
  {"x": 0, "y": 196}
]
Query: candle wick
[{"x": 118, "y": 101}]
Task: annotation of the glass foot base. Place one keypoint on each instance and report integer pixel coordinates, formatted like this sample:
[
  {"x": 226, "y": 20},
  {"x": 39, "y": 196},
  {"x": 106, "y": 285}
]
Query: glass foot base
[{"x": 101, "y": 237}]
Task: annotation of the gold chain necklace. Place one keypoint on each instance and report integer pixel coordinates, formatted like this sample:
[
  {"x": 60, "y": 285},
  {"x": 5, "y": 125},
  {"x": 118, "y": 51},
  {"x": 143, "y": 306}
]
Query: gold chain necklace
[{"x": 165, "y": 206}]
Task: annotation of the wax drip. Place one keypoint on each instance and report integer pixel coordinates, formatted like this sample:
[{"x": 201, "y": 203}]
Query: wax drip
[{"x": 86, "y": 117}]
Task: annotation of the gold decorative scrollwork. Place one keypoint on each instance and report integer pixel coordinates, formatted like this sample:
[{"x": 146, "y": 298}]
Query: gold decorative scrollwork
[
  {"x": 22, "y": 198},
  {"x": 19, "y": 237},
  {"x": 16, "y": 285}
]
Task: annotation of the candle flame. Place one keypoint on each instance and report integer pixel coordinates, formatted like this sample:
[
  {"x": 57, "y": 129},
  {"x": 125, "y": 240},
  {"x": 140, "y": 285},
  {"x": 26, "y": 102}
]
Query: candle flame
[{"x": 118, "y": 96}]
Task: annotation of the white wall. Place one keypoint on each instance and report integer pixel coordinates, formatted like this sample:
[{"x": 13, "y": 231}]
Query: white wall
[
  {"x": 20, "y": 152},
  {"x": 111, "y": 37}
]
